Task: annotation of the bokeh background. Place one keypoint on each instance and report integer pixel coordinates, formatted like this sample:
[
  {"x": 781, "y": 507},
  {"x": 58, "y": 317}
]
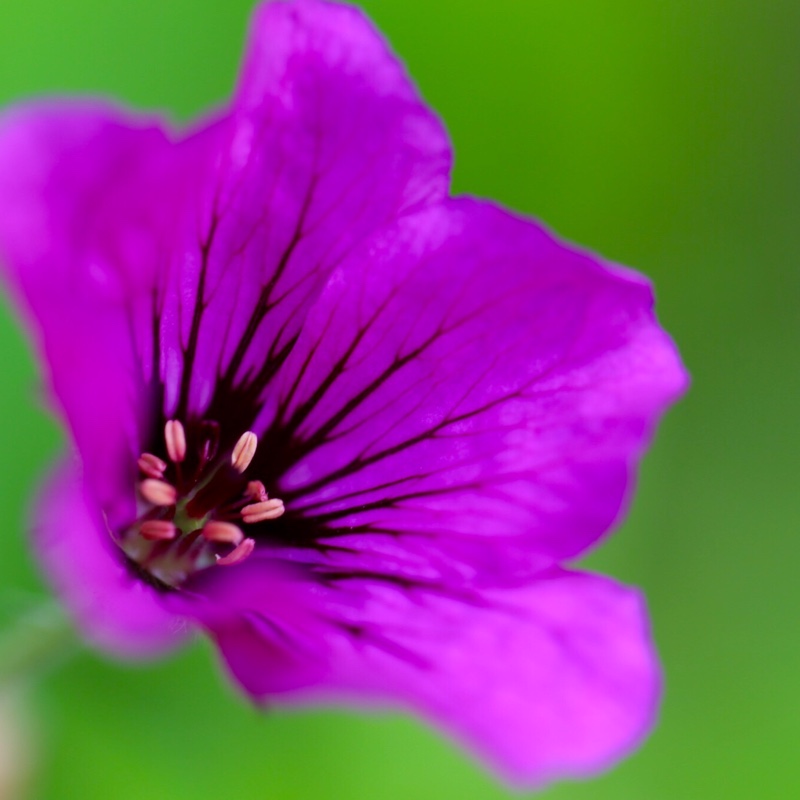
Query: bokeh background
[{"x": 662, "y": 134}]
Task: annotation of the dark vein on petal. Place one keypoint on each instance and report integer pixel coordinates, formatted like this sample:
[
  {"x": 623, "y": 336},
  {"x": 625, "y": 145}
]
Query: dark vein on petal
[
  {"x": 190, "y": 351},
  {"x": 263, "y": 305}
]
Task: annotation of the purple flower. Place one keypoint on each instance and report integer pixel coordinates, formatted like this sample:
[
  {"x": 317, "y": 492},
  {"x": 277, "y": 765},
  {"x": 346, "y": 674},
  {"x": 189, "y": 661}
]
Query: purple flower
[{"x": 347, "y": 425}]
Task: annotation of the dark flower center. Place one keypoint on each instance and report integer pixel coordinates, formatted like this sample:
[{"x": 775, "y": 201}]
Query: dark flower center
[{"x": 193, "y": 503}]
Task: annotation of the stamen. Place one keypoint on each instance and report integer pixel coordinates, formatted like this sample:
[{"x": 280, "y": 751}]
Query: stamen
[
  {"x": 175, "y": 437},
  {"x": 237, "y": 555},
  {"x": 159, "y": 493},
  {"x": 256, "y": 491},
  {"x": 151, "y": 465},
  {"x": 244, "y": 451},
  {"x": 193, "y": 519},
  {"x": 222, "y": 532},
  {"x": 158, "y": 530},
  {"x": 258, "y": 512}
]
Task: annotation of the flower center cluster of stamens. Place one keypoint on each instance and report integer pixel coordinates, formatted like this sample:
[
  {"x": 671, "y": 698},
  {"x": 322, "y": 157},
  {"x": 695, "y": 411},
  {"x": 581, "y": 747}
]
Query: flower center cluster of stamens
[{"x": 189, "y": 522}]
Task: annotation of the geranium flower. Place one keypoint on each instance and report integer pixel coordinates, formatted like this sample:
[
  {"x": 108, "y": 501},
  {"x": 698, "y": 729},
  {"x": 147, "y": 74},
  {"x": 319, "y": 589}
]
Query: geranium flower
[{"x": 349, "y": 426}]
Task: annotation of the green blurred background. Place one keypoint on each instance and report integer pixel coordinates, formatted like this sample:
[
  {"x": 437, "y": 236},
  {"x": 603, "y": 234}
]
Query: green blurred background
[{"x": 663, "y": 134}]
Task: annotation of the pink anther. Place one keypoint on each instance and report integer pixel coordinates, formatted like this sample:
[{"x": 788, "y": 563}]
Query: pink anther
[
  {"x": 158, "y": 530},
  {"x": 244, "y": 451},
  {"x": 175, "y": 438},
  {"x": 258, "y": 512},
  {"x": 238, "y": 554},
  {"x": 222, "y": 532},
  {"x": 151, "y": 465},
  {"x": 256, "y": 491},
  {"x": 159, "y": 493}
]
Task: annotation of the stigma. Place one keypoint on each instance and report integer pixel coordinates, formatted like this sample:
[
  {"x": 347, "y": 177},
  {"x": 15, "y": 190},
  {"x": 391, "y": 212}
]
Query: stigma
[{"x": 195, "y": 505}]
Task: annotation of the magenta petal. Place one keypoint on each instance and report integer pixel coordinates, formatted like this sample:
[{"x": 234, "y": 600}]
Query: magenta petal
[
  {"x": 264, "y": 618},
  {"x": 326, "y": 141},
  {"x": 556, "y": 679},
  {"x": 79, "y": 238},
  {"x": 468, "y": 377},
  {"x": 448, "y": 400},
  {"x": 114, "y": 609}
]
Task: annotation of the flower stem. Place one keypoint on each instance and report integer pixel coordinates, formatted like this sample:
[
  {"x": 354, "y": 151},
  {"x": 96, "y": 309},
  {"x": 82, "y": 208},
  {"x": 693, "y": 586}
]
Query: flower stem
[{"x": 34, "y": 642}]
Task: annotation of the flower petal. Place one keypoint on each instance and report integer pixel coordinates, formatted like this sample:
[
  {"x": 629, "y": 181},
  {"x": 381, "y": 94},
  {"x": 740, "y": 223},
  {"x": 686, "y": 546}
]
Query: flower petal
[
  {"x": 114, "y": 609},
  {"x": 556, "y": 679},
  {"x": 263, "y": 615},
  {"x": 327, "y": 140},
  {"x": 467, "y": 377},
  {"x": 79, "y": 238},
  {"x": 201, "y": 257}
]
